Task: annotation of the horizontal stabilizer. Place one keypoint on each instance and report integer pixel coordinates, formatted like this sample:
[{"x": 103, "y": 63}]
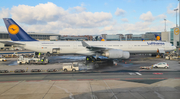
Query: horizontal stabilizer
[{"x": 10, "y": 43}]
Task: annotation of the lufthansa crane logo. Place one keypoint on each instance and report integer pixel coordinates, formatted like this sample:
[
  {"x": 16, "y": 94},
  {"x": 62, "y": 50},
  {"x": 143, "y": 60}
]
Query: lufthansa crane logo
[
  {"x": 158, "y": 38},
  {"x": 176, "y": 31},
  {"x": 13, "y": 29}
]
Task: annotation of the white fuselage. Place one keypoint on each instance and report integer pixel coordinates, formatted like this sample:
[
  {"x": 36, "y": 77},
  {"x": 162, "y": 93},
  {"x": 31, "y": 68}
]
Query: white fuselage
[{"x": 75, "y": 47}]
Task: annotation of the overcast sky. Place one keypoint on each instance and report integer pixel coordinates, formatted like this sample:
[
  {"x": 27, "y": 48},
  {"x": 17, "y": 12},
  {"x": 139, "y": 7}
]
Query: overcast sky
[{"x": 90, "y": 17}]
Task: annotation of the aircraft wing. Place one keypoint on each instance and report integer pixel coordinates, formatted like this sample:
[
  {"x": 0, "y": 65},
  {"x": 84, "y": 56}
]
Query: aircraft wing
[
  {"x": 11, "y": 43},
  {"x": 94, "y": 48}
]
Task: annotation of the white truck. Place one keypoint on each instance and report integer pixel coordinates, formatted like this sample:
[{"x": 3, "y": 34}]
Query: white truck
[
  {"x": 3, "y": 59},
  {"x": 71, "y": 66},
  {"x": 39, "y": 61},
  {"x": 22, "y": 60}
]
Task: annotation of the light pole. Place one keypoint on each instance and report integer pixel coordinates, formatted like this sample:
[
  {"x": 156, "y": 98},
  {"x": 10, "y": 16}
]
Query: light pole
[
  {"x": 179, "y": 24},
  {"x": 165, "y": 25},
  {"x": 176, "y": 16}
]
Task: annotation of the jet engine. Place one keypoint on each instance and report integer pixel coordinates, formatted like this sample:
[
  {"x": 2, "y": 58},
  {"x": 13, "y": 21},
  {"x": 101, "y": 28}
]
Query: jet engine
[
  {"x": 114, "y": 53},
  {"x": 126, "y": 55}
]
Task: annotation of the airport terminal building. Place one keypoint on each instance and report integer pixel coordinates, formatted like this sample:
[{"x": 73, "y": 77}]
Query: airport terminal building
[
  {"x": 38, "y": 36},
  {"x": 149, "y": 36},
  {"x": 49, "y": 36},
  {"x": 171, "y": 36}
]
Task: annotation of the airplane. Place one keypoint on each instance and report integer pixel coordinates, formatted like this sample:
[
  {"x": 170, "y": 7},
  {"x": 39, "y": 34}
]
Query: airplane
[{"x": 110, "y": 49}]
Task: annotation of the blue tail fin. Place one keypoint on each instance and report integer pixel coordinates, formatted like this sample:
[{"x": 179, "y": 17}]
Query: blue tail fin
[
  {"x": 142, "y": 39},
  {"x": 158, "y": 38},
  {"x": 16, "y": 32},
  {"x": 102, "y": 39}
]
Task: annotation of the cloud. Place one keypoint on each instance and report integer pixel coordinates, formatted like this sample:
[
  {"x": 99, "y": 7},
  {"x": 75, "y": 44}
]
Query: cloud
[
  {"x": 79, "y": 31},
  {"x": 124, "y": 20},
  {"x": 170, "y": 9},
  {"x": 89, "y": 19},
  {"x": 4, "y": 13},
  {"x": 137, "y": 27},
  {"x": 77, "y": 9},
  {"x": 161, "y": 16},
  {"x": 3, "y": 29},
  {"x": 42, "y": 14},
  {"x": 169, "y": 24},
  {"x": 120, "y": 12},
  {"x": 147, "y": 17},
  {"x": 142, "y": 27},
  {"x": 108, "y": 28},
  {"x": 49, "y": 18},
  {"x": 39, "y": 14}
]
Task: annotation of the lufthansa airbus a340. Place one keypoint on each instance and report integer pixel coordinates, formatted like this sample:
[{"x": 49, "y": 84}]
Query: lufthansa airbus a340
[{"x": 110, "y": 49}]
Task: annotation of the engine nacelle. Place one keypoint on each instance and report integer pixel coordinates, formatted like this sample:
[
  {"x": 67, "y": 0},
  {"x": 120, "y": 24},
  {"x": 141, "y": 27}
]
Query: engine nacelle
[
  {"x": 114, "y": 53},
  {"x": 126, "y": 55}
]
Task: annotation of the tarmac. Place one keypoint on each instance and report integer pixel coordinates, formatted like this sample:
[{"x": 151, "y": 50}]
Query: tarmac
[
  {"x": 87, "y": 89},
  {"x": 124, "y": 81}
]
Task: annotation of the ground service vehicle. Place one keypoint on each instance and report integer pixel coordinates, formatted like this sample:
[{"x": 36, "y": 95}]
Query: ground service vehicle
[
  {"x": 71, "y": 66},
  {"x": 52, "y": 70},
  {"x": 4, "y": 71},
  {"x": 39, "y": 61},
  {"x": 19, "y": 71},
  {"x": 3, "y": 59},
  {"x": 22, "y": 60},
  {"x": 36, "y": 70},
  {"x": 161, "y": 64}
]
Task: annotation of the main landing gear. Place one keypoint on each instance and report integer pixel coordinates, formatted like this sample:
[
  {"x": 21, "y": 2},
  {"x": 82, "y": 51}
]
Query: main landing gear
[{"x": 98, "y": 61}]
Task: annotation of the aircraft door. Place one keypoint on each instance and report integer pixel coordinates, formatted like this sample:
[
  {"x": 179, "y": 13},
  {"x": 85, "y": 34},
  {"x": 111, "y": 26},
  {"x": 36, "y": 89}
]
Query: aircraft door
[
  {"x": 160, "y": 50},
  {"x": 39, "y": 46},
  {"x": 56, "y": 51},
  {"x": 129, "y": 46},
  {"x": 75, "y": 46}
]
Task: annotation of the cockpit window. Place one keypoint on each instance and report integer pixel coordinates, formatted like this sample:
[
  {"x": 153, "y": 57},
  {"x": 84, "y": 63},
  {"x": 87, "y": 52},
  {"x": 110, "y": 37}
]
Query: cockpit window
[{"x": 75, "y": 65}]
